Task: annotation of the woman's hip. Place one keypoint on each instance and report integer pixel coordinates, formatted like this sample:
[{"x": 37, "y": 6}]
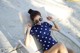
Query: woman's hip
[{"x": 53, "y": 46}]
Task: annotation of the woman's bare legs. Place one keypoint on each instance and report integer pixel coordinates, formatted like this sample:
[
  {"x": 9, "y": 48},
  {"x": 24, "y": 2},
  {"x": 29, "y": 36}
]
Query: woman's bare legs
[
  {"x": 58, "y": 48},
  {"x": 62, "y": 48}
]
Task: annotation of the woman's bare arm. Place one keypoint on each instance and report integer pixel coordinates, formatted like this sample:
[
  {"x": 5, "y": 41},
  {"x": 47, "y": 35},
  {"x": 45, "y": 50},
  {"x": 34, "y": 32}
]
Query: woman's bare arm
[
  {"x": 27, "y": 40},
  {"x": 28, "y": 36},
  {"x": 55, "y": 27}
]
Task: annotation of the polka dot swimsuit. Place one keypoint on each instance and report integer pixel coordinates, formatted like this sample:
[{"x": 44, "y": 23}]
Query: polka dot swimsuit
[{"x": 42, "y": 33}]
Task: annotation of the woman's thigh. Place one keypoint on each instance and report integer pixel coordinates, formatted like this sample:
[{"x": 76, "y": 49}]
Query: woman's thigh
[
  {"x": 55, "y": 48},
  {"x": 50, "y": 50}
]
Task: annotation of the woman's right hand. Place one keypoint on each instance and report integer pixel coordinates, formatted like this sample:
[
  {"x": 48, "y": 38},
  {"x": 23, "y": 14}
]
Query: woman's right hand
[{"x": 29, "y": 25}]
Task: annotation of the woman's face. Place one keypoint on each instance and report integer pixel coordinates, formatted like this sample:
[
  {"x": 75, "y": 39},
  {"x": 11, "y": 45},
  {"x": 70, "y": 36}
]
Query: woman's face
[{"x": 37, "y": 19}]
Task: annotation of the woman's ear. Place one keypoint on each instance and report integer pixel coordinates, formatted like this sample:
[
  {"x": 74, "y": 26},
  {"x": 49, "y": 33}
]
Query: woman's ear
[{"x": 41, "y": 18}]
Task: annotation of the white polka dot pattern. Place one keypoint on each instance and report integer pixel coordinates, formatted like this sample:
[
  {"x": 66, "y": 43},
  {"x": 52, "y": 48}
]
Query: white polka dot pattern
[{"x": 43, "y": 35}]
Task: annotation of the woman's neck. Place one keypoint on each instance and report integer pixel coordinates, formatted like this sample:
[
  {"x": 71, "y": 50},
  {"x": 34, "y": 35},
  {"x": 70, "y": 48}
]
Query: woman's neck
[{"x": 38, "y": 23}]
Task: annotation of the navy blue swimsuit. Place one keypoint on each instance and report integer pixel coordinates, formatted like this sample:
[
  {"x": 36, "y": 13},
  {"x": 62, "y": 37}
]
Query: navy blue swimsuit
[{"x": 42, "y": 33}]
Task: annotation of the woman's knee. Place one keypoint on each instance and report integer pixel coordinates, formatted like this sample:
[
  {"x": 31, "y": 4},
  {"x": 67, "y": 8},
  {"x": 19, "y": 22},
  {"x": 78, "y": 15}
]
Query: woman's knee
[
  {"x": 61, "y": 45},
  {"x": 62, "y": 48}
]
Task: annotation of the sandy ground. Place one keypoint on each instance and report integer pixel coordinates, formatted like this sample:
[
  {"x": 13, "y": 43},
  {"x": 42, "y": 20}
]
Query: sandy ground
[{"x": 64, "y": 12}]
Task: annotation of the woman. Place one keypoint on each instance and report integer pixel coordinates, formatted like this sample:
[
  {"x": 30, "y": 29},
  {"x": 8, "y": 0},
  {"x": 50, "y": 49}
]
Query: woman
[{"x": 41, "y": 30}]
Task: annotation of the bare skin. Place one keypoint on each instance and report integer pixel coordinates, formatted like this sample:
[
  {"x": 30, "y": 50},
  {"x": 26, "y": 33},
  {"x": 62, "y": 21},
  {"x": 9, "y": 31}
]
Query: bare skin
[{"x": 57, "y": 48}]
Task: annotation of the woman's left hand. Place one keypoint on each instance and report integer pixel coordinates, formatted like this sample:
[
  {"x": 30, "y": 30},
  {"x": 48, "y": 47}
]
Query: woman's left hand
[{"x": 50, "y": 18}]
